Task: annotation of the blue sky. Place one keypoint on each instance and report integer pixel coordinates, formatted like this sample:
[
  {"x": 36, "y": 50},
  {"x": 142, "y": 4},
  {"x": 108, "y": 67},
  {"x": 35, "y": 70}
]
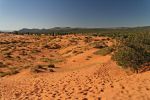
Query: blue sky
[{"x": 17, "y": 14}]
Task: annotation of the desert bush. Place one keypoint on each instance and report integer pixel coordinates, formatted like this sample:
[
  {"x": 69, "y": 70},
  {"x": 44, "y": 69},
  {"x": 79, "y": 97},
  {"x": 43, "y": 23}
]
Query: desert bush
[
  {"x": 52, "y": 46},
  {"x": 128, "y": 57},
  {"x": 88, "y": 57},
  {"x": 133, "y": 51},
  {"x": 2, "y": 74},
  {"x": 73, "y": 40},
  {"x": 99, "y": 44},
  {"x": 37, "y": 69},
  {"x": 46, "y": 59},
  {"x": 43, "y": 68},
  {"x": 87, "y": 39},
  {"x": 7, "y": 54},
  {"x": 104, "y": 51},
  {"x": 11, "y": 72},
  {"x": 51, "y": 66},
  {"x": 2, "y": 65},
  {"x": 50, "y": 60},
  {"x": 35, "y": 51},
  {"x": 77, "y": 51}
]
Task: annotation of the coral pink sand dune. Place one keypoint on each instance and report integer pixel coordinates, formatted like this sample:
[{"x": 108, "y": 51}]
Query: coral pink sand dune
[{"x": 83, "y": 76}]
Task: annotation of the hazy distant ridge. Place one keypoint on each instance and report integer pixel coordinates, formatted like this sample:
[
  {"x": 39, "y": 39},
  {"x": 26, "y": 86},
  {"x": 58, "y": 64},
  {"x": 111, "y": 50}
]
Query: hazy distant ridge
[{"x": 77, "y": 30}]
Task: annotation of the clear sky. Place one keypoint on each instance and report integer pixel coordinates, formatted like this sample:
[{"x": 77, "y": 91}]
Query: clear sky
[{"x": 17, "y": 14}]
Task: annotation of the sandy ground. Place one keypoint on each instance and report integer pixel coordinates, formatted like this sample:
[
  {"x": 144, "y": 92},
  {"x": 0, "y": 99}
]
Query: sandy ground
[{"x": 77, "y": 78}]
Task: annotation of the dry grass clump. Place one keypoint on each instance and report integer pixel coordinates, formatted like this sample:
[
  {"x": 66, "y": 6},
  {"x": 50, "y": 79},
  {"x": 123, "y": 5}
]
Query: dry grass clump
[
  {"x": 52, "y": 46},
  {"x": 48, "y": 60},
  {"x": 144, "y": 68},
  {"x": 7, "y": 54},
  {"x": 2, "y": 65},
  {"x": 12, "y": 71},
  {"x": 88, "y": 57},
  {"x": 73, "y": 40},
  {"x": 87, "y": 39},
  {"x": 99, "y": 44},
  {"x": 43, "y": 68},
  {"x": 35, "y": 51},
  {"x": 77, "y": 50}
]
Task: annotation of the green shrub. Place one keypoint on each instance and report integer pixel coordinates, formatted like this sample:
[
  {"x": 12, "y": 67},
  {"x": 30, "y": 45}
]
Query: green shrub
[
  {"x": 104, "y": 51},
  {"x": 128, "y": 57},
  {"x": 133, "y": 51}
]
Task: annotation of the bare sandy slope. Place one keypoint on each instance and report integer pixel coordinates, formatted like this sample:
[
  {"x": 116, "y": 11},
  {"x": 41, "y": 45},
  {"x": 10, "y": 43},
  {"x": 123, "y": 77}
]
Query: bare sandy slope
[{"x": 94, "y": 82}]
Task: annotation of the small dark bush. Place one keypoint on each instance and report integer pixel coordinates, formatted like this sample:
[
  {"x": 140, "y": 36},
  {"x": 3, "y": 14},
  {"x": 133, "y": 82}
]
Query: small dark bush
[
  {"x": 99, "y": 45},
  {"x": 43, "y": 68},
  {"x": 87, "y": 39},
  {"x": 2, "y": 65},
  {"x": 52, "y": 46},
  {"x": 51, "y": 66}
]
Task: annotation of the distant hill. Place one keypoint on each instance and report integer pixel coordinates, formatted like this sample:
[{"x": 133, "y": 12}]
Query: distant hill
[
  {"x": 83, "y": 30},
  {"x": 52, "y": 30}
]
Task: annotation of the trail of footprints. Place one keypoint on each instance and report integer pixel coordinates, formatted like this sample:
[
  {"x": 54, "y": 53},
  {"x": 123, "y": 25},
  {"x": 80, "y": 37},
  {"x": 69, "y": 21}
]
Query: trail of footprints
[
  {"x": 71, "y": 86},
  {"x": 74, "y": 85}
]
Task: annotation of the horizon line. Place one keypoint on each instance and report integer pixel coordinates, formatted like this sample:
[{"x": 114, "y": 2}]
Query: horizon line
[{"x": 79, "y": 27}]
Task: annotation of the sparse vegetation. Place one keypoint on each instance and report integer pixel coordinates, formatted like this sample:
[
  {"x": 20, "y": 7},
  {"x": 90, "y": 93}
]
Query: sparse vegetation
[{"x": 52, "y": 46}]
